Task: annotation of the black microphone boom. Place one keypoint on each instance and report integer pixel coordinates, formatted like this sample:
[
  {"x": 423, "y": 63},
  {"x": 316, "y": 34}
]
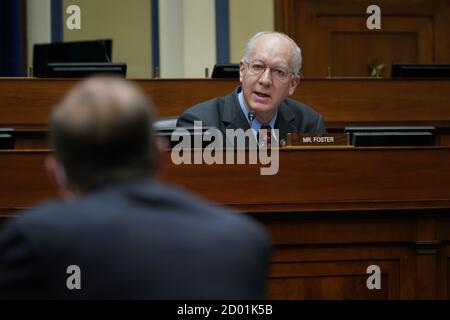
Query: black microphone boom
[{"x": 251, "y": 115}]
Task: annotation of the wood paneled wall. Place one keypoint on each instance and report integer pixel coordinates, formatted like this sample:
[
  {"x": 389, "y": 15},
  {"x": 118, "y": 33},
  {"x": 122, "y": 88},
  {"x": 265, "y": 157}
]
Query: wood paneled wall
[{"x": 336, "y": 41}]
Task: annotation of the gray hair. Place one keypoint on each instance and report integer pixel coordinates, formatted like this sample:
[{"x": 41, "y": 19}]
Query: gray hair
[{"x": 296, "y": 49}]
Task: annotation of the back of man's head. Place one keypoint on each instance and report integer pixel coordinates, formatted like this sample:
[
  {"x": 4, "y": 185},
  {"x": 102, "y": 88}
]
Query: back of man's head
[{"x": 102, "y": 134}]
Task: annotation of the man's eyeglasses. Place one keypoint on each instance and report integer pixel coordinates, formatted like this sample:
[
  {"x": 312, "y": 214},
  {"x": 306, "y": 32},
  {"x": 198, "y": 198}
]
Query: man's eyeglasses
[{"x": 279, "y": 72}]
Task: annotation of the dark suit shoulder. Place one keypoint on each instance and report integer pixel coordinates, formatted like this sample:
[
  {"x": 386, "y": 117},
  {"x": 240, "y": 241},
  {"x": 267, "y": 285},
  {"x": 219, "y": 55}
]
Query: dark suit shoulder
[
  {"x": 44, "y": 219},
  {"x": 307, "y": 120},
  {"x": 209, "y": 112},
  {"x": 301, "y": 109},
  {"x": 132, "y": 205},
  {"x": 117, "y": 234}
]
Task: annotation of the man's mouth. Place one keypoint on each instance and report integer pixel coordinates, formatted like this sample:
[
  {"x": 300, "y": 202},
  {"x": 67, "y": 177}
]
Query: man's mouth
[{"x": 261, "y": 94}]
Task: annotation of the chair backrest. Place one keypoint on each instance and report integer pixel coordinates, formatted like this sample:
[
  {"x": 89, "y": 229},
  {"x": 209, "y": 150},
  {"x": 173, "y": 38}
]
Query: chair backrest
[{"x": 165, "y": 124}]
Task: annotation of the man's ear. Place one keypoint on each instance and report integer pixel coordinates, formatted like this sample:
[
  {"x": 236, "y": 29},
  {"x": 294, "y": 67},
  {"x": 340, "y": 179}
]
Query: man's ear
[
  {"x": 57, "y": 173},
  {"x": 241, "y": 70},
  {"x": 294, "y": 83},
  {"x": 52, "y": 167},
  {"x": 162, "y": 156}
]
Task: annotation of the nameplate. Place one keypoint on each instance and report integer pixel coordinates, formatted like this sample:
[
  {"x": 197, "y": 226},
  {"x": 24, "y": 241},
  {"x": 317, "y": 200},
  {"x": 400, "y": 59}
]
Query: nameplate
[{"x": 299, "y": 139}]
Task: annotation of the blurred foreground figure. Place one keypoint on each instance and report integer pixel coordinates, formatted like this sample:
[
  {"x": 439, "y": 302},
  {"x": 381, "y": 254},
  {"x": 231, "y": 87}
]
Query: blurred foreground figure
[{"x": 119, "y": 233}]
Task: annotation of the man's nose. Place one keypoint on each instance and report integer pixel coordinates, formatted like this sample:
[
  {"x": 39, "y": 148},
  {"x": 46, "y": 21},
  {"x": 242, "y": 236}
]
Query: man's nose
[{"x": 266, "y": 77}]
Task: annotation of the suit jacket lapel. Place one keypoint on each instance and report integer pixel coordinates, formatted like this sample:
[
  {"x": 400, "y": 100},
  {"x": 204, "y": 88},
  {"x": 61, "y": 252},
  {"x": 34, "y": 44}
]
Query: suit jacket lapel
[
  {"x": 285, "y": 121},
  {"x": 233, "y": 117}
]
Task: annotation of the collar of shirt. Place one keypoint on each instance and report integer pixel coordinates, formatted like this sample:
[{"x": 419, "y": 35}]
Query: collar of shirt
[{"x": 255, "y": 124}]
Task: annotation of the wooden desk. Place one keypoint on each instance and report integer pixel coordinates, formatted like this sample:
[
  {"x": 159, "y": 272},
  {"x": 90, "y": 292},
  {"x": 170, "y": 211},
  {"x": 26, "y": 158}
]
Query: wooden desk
[
  {"x": 26, "y": 102},
  {"x": 331, "y": 213}
]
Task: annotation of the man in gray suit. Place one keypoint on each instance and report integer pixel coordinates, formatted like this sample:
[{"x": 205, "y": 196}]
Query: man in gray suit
[
  {"x": 269, "y": 73},
  {"x": 121, "y": 234}
]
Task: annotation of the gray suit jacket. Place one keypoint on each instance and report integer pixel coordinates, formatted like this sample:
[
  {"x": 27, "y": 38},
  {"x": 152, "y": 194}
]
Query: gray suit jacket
[{"x": 225, "y": 113}]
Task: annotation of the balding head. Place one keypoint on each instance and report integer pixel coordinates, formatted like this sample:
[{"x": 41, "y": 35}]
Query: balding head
[
  {"x": 102, "y": 133},
  {"x": 295, "y": 53}
]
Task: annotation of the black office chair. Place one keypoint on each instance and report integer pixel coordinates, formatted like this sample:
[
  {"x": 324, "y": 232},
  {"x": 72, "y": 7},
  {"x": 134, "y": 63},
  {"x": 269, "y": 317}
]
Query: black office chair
[
  {"x": 164, "y": 127},
  {"x": 165, "y": 124}
]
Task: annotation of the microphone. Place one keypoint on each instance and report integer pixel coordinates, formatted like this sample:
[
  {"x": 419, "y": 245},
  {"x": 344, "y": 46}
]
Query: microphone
[{"x": 251, "y": 115}]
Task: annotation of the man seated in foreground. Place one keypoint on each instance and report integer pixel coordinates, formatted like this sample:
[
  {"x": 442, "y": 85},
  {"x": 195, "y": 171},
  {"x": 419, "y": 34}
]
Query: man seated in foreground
[{"x": 126, "y": 235}]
